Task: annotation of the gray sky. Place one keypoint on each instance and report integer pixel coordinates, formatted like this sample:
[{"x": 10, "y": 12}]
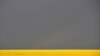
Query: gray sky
[{"x": 48, "y": 24}]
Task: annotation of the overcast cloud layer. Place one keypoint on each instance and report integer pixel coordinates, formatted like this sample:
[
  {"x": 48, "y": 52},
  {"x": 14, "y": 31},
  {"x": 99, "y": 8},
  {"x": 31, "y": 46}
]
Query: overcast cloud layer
[{"x": 49, "y": 24}]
